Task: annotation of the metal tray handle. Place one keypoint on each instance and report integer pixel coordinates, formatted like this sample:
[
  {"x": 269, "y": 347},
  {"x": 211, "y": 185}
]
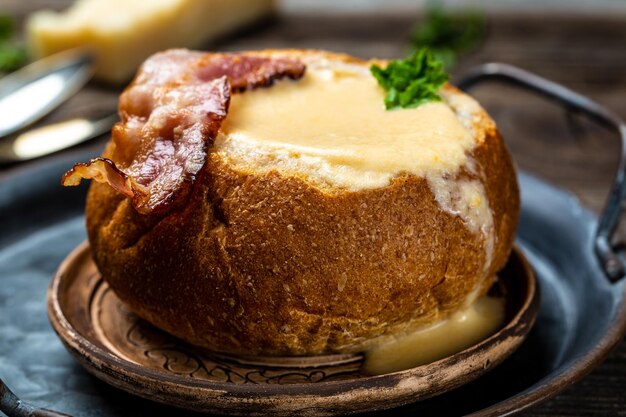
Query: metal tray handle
[
  {"x": 14, "y": 407},
  {"x": 608, "y": 254}
]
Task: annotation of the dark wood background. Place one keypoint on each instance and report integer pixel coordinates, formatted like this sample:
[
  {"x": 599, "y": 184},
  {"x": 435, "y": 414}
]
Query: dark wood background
[{"x": 586, "y": 53}]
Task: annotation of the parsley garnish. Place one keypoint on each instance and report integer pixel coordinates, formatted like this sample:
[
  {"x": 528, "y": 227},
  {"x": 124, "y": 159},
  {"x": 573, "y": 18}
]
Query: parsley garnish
[
  {"x": 12, "y": 54},
  {"x": 411, "y": 82}
]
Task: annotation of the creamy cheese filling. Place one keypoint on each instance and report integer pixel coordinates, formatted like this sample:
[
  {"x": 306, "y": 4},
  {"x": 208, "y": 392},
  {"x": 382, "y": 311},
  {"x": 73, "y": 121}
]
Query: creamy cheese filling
[
  {"x": 462, "y": 330},
  {"x": 336, "y": 118},
  {"x": 332, "y": 129}
]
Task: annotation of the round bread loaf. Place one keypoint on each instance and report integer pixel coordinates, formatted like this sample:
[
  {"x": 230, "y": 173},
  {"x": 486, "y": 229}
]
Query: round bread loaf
[{"x": 280, "y": 253}]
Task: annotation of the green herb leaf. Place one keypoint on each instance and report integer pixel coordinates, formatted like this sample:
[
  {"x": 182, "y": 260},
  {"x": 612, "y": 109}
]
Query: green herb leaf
[
  {"x": 411, "y": 82},
  {"x": 447, "y": 34},
  {"x": 12, "y": 56},
  {"x": 7, "y": 26}
]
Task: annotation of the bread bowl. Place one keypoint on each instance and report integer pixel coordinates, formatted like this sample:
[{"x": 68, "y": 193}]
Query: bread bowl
[{"x": 316, "y": 222}]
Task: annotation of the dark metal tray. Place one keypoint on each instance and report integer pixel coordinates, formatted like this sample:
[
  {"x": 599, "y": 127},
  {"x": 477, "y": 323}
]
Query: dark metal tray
[{"x": 582, "y": 314}]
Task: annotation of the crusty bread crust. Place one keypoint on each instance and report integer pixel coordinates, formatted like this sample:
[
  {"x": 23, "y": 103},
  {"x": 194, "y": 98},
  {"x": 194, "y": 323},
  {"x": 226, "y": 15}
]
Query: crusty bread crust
[{"x": 273, "y": 265}]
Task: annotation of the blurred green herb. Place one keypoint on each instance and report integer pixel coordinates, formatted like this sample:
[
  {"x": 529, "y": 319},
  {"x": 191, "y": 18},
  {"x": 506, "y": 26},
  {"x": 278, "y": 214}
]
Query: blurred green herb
[
  {"x": 12, "y": 54},
  {"x": 413, "y": 81},
  {"x": 7, "y": 26},
  {"x": 12, "y": 57},
  {"x": 448, "y": 34}
]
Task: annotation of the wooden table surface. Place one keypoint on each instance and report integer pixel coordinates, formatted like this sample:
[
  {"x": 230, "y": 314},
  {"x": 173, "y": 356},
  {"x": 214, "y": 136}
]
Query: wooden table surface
[{"x": 587, "y": 54}]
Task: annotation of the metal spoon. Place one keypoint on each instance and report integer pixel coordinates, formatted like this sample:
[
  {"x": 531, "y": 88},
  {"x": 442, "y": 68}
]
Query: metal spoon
[
  {"x": 32, "y": 92},
  {"x": 51, "y": 138}
]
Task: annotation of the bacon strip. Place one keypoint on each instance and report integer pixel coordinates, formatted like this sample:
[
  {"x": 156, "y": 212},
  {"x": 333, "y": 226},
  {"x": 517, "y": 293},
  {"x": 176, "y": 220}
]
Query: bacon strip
[
  {"x": 170, "y": 116},
  {"x": 103, "y": 170},
  {"x": 248, "y": 72},
  {"x": 156, "y": 160}
]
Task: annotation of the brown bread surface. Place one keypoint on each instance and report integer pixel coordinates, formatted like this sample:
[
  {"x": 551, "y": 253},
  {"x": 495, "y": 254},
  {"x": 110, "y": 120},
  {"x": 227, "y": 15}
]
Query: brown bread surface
[{"x": 268, "y": 264}]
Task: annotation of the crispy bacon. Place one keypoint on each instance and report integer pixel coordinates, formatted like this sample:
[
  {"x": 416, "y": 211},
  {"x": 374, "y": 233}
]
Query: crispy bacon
[
  {"x": 170, "y": 116},
  {"x": 247, "y": 72},
  {"x": 103, "y": 170}
]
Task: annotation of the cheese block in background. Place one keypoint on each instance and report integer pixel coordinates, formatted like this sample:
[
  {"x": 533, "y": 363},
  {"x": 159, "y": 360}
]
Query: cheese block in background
[{"x": 125, "y": 32}]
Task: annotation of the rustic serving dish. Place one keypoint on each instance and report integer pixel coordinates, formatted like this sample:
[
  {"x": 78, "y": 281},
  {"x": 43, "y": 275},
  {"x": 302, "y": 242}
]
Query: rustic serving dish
[
  {"x": 116, "y": 346},
  {"x": 582, "y": 313}
]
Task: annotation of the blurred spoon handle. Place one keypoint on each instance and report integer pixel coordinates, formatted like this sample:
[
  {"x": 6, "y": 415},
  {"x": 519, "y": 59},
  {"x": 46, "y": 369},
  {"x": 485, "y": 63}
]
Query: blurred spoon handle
[
  {"x": 32, "y": 92},
  {"x": 41, "y": 141}
]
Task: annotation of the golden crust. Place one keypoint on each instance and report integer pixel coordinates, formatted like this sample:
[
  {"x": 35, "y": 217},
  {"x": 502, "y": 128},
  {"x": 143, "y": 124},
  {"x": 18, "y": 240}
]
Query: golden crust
[{"x": 273, "y": 265}]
